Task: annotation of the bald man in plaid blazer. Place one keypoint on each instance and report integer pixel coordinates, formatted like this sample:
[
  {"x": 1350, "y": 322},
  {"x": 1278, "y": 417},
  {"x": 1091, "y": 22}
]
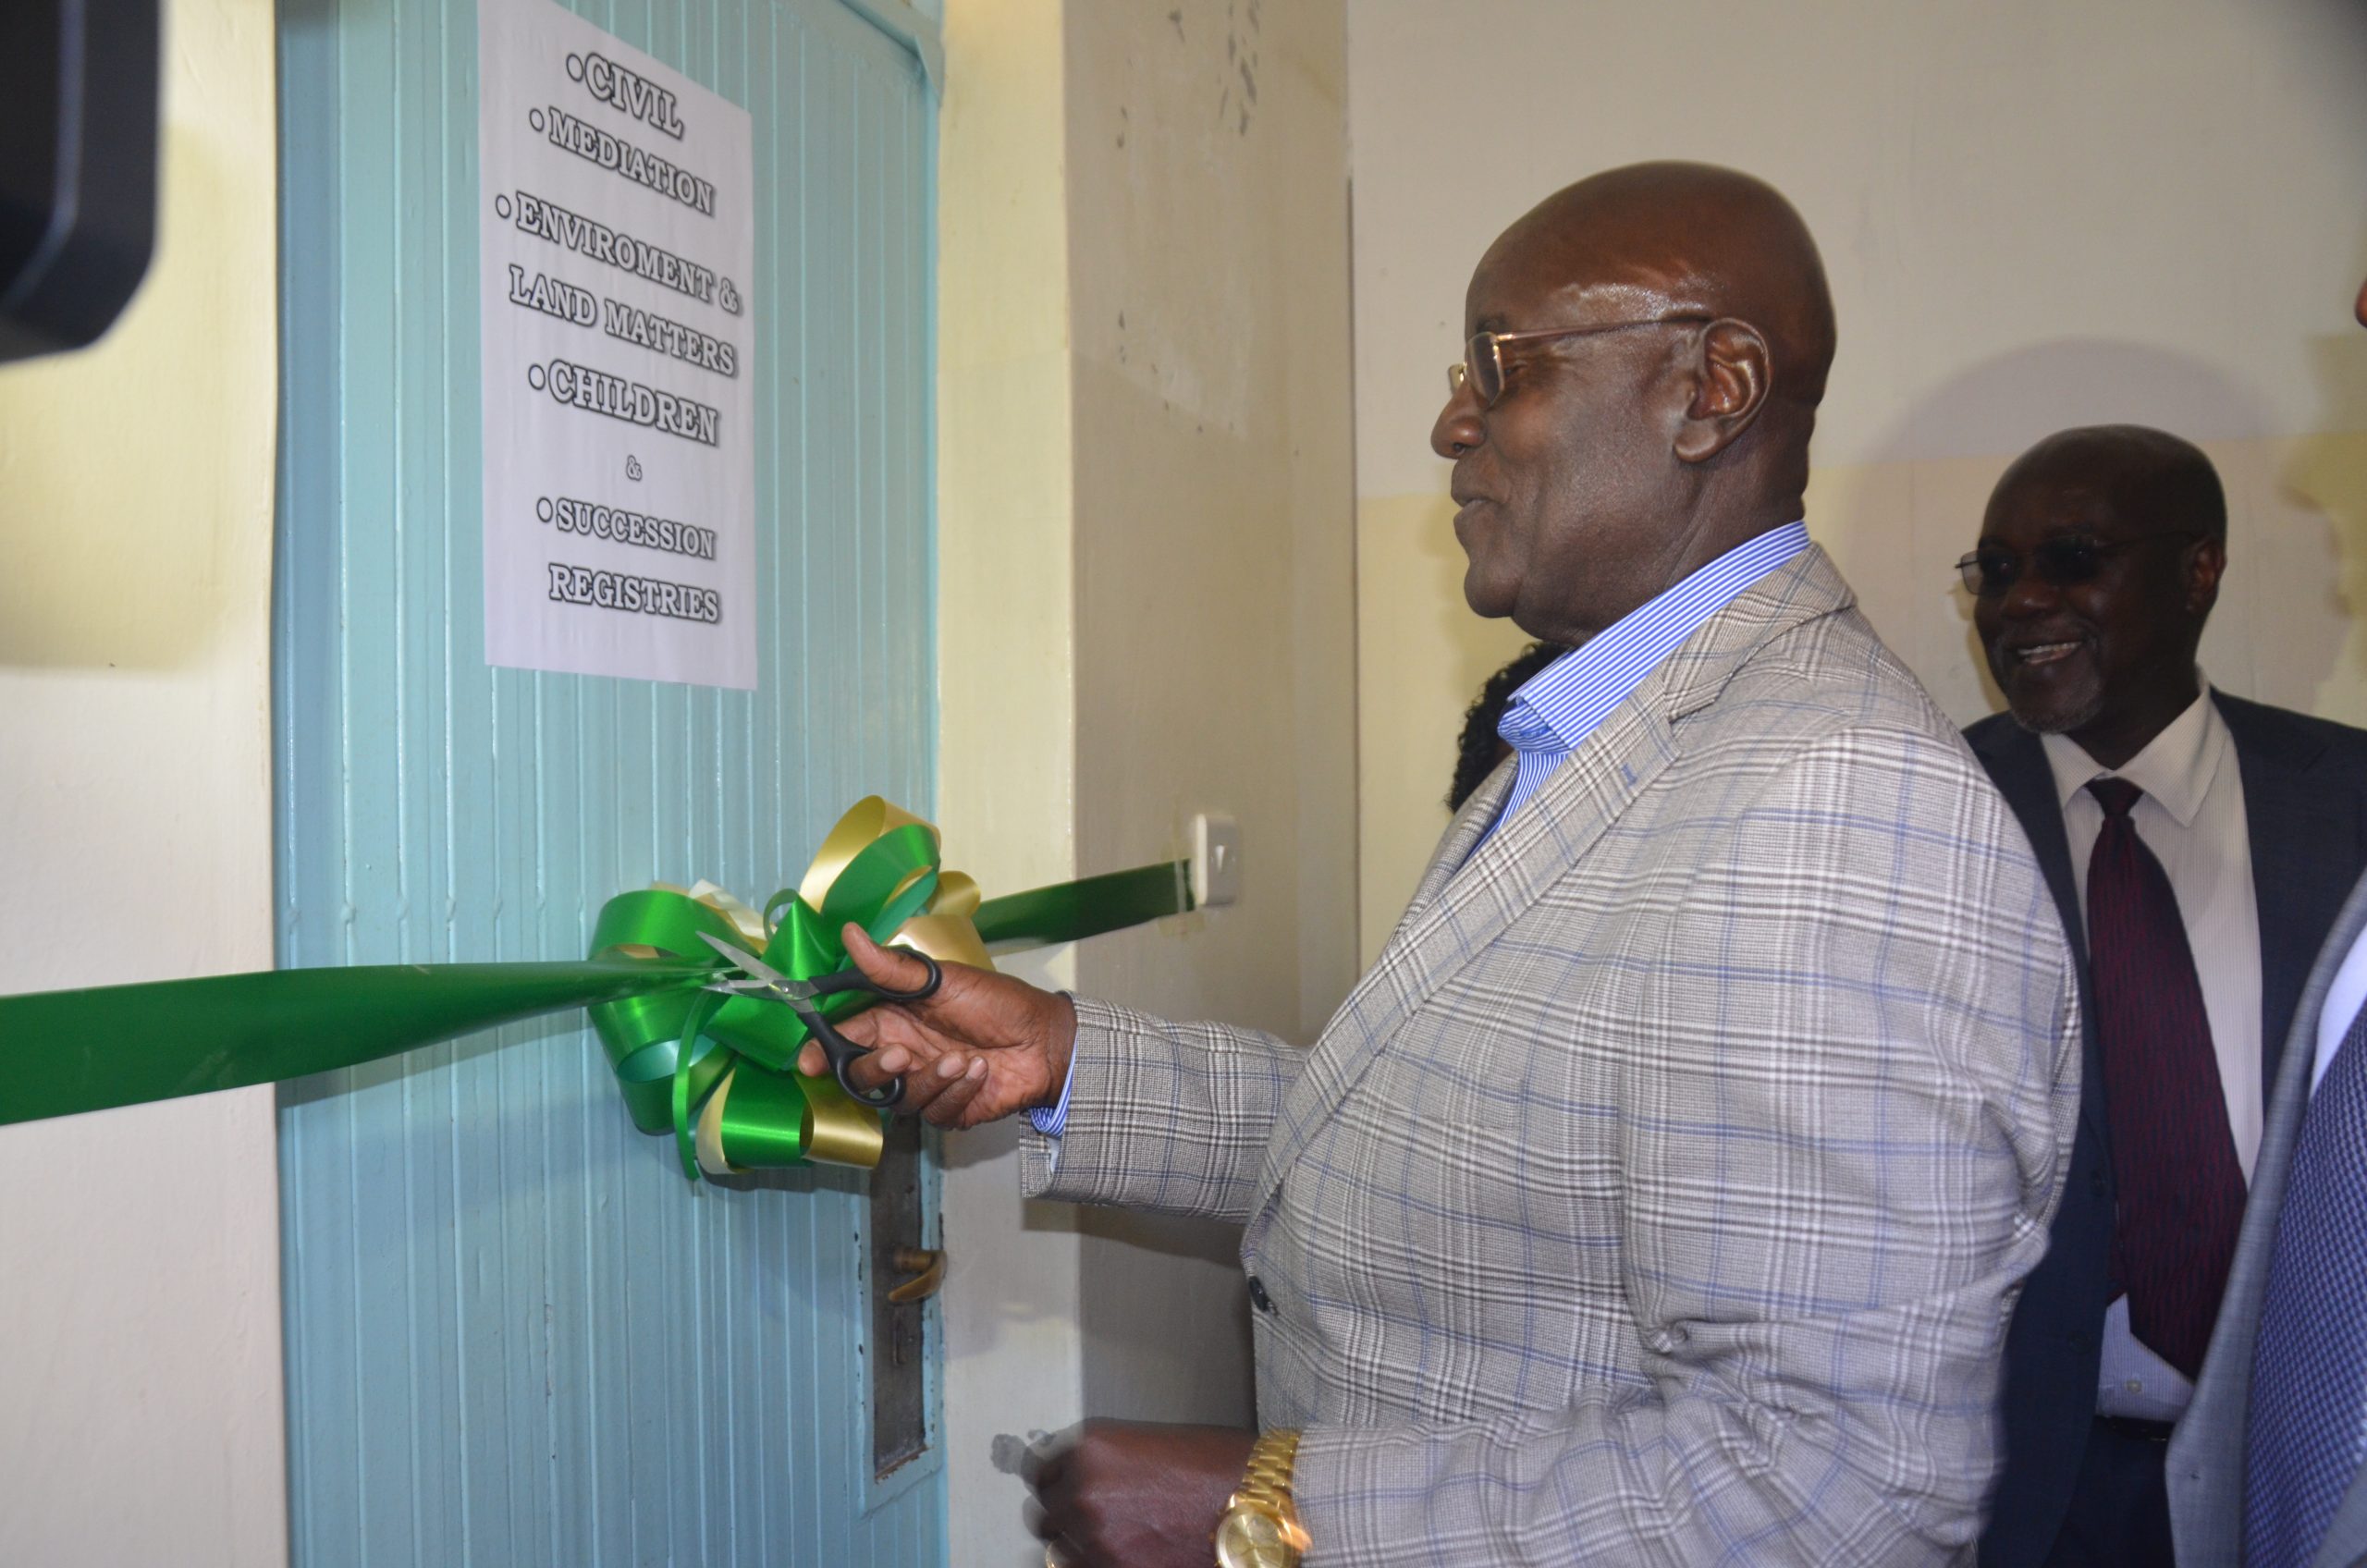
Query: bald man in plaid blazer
[{"x": 1661, "y": 1194}]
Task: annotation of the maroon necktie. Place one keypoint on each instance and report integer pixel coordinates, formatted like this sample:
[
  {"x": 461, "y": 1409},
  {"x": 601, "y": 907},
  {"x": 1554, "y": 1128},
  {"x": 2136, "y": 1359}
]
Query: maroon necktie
[{"x": 2181, "y": 1189}]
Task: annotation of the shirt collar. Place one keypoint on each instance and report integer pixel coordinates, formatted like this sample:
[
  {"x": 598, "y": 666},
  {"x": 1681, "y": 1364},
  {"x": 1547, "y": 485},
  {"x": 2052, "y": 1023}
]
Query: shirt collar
[
  {"x": 1560, "y": 706},
  {"x": 2176, "y": 768}
]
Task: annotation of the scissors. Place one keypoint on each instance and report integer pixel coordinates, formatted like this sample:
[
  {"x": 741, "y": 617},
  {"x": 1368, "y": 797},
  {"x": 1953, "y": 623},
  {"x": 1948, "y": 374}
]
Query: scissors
[{"x": 760, "y": 979}]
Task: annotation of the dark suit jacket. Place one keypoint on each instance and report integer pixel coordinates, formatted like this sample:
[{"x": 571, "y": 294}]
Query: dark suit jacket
[{"x": 2305, "y": 803}]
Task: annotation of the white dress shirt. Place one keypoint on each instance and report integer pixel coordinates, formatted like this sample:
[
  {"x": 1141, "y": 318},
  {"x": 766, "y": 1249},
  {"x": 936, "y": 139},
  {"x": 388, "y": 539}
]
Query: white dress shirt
[{"x": 2192, "y": 818}]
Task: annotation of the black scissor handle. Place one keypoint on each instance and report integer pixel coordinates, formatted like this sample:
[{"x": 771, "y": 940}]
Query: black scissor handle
[
  {"x": 857, "y": 980},
  {"x": 843, "y": 1054}
]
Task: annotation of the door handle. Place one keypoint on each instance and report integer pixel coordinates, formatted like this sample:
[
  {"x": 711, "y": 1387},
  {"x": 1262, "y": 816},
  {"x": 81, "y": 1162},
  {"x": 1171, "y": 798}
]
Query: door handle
[{"x": 927, "y": 1268}]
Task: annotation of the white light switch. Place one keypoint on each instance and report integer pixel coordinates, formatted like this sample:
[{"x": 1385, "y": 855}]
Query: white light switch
[{"x": 1216, "y": 859}]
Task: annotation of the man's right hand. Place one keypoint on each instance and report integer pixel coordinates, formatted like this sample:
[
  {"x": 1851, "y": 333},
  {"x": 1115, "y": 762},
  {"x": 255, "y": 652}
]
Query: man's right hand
[{"x": 985, "y": 1047}]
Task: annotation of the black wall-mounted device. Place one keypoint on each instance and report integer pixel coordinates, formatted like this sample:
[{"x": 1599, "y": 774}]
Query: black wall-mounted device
[{"x": 78, "y": 167}]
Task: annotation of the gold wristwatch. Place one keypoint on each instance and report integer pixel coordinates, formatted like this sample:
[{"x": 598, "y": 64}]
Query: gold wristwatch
[{"x": 1260, "y": 1527}]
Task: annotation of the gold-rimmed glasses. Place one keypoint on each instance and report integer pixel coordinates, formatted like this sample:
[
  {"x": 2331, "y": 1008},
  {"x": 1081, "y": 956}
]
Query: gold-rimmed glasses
[{"x": 1482, "y": 368}]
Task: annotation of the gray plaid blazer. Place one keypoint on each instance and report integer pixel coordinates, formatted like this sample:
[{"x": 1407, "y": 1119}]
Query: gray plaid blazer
[
  {"x": 1661, "y": 1194},
  {"x": 2205, "y": 1469}
]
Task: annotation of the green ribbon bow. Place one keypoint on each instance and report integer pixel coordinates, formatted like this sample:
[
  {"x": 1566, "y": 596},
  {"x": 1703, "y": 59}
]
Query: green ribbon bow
[{"x": 717, "y": 1071}]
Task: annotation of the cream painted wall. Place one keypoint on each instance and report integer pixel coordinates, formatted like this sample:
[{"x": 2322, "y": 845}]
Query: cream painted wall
[
  {"x": 1214, "y": 483},
  {"x": 1145, "y": 587},
  {"x": 139, "y": 1397},
  {"x": 1006, "y": 692},
  {"x": 2033, "y": 214}
]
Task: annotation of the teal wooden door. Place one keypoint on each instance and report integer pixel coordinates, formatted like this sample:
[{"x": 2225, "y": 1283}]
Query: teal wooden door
[{"x": 515, "y": 1334}]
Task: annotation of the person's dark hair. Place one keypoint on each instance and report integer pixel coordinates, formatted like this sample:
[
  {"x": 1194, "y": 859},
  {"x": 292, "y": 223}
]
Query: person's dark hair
[{"x": 1480, "y": 749}]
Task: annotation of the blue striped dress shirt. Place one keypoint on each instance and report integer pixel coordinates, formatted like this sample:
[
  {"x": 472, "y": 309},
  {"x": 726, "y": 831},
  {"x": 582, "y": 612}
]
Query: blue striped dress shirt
[
  {"x": 1560, "y": 706},
  {"x": 1563, "y": 703}
]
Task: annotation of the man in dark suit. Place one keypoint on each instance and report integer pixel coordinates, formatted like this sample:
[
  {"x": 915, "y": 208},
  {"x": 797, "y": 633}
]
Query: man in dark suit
[{"x": 2199, "y": 848}]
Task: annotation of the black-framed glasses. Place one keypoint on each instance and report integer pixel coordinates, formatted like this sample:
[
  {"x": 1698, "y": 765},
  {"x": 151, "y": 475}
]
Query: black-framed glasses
[
  {"x": 1482, "y": 368},
  {"x": 2065, "y": 561}
]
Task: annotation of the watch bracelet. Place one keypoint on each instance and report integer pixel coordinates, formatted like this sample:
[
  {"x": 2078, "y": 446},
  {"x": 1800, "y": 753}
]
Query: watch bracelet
[{"x": 1267, "y": 1482}]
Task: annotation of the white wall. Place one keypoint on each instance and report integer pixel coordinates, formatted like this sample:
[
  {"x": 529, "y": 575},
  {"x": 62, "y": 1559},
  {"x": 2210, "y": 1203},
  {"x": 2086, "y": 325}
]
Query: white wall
[
  {"x": 1146, "y": 581},
  {"x": 139, "y": 1393},
  {"x": 2034, "y": 214}
]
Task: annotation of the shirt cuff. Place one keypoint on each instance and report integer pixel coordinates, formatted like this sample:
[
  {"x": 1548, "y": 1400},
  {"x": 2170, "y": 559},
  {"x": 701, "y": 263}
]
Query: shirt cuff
[{"x": 1054, "y": 1119}]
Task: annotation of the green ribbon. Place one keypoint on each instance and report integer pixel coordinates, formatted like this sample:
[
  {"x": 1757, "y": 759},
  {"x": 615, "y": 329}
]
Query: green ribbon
[
  {"x": 1070, "y": 911},
  {"x": 718, "y": 1072}
]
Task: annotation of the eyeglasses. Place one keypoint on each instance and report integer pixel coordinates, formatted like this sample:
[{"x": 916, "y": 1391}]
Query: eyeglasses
[
  {"x": 2064, "y": 561},
  {"x": 1482, "y": 368}
]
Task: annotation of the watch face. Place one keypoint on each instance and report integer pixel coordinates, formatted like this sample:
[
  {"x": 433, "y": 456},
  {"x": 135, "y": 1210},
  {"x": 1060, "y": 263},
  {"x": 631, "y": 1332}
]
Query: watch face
[{"x": 1246, "y": 1538}]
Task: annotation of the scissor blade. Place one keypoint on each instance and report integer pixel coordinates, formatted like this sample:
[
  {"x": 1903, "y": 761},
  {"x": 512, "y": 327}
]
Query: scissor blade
[{"x": 747, "y": 962}]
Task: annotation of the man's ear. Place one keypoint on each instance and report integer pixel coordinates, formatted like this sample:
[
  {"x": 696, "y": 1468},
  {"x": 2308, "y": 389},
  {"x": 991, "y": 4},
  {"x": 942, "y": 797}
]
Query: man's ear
[
  {"x": 2202, "y": 572},
  {"x": 1732, "y": 379}
]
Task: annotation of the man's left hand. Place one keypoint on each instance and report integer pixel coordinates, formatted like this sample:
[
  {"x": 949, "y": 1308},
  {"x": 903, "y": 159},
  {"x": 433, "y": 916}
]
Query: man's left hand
[{"x": 1135, "y": 1494}]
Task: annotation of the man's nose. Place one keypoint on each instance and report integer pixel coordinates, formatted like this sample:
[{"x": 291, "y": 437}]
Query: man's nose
[
  {"x": 2029, "y": 595},
  {"x": 1459, "y": 427}
]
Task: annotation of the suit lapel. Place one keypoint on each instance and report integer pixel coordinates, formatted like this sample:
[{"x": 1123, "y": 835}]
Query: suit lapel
[
  {"x": 1468, "y": 896},
  {"x": 1454, "y": 847},
  {"x": 1486, "y": 891},
  {"x": 1462, "y": 833},
  {"x": 2304, "y": 839},
  {"x": 2018, "y": 764},
  {"x": 1464, "y": 904},
  {"x": 2345, "y": 1540},
  {"x": 2206, "y": 1458}
]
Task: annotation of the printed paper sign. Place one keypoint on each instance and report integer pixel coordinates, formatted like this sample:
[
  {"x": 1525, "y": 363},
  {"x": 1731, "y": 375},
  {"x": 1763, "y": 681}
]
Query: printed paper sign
[{"x": 619, "y": 404}]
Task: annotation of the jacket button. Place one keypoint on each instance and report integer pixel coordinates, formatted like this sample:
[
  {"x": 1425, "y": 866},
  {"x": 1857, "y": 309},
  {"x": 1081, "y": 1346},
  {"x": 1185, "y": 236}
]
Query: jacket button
[{"x": 1258, "y": 1296}]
